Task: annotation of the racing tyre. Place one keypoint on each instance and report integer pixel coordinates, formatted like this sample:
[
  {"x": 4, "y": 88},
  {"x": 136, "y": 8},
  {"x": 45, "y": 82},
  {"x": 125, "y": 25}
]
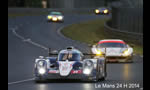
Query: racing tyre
[
  {"x": 61, "y": 21},
  {"x": 131, "y": 59},
  {"x": 39, "y": 80},
  {"x": 96, "y": 79},
  {"x": 102, "y": 79},
  {"x": 48, "y": 21}
]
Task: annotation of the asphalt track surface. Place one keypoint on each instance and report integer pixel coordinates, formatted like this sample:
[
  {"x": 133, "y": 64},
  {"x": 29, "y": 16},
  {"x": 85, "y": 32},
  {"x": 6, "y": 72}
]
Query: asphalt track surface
[{"x": 30, "y": 36}]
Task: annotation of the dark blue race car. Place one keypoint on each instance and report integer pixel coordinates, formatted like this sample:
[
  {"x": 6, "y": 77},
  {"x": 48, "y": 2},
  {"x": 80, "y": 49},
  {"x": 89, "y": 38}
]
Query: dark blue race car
[{"x": 70, "y": 63}]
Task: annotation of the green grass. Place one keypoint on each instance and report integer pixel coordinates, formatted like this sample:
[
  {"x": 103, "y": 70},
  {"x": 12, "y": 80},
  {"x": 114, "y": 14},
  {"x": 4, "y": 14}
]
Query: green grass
[
  {"x": 91, "y": 31},
  {"x": 13, "y": 15}
]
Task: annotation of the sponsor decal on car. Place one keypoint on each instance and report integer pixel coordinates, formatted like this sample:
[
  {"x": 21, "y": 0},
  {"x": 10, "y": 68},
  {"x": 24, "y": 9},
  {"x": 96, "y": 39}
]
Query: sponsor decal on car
[
  {"x": 53, "y": 71},
  {"x": 76, "y": 71}
]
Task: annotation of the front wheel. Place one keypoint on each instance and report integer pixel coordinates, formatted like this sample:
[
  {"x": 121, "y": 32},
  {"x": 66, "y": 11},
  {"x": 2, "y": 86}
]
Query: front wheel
[
  {"x": 102, "y": 79},
  {"x": 61, "y": 21},
  {"x": 39, "y": 80}
]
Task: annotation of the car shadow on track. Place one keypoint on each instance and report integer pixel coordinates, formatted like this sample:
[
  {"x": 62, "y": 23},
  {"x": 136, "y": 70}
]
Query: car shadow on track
[
  {"x": 78, "y": 81},
  {"x": 66, "y": 81}
]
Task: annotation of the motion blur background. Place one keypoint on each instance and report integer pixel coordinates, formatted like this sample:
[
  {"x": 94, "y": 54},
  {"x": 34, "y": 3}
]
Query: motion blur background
[
  {"x": 73, "y": 3},
  {"x": 58, "y": 3}
]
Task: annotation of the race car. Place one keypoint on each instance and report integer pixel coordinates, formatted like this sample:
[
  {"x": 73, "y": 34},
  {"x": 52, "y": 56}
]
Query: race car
[
  {"x": 102, "y": 11},
  {"x": 55, "y": 17},
  {"x": 115, "y": 50},
  {"x": 69, "y": 63}
]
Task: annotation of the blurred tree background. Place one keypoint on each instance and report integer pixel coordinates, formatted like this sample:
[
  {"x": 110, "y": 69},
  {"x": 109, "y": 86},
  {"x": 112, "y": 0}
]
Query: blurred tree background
[
  {"x": 25, "y": 3},
  {"x": 57, "y": 3}
]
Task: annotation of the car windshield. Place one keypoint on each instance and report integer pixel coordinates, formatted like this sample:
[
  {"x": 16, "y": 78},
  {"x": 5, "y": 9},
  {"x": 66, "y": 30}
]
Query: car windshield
[
  {"x": 107, "y": 45},
  {"x": 102, "y": 8},
  {"x": 55, "y": 13},
  {"x": 69, "y": 56}
]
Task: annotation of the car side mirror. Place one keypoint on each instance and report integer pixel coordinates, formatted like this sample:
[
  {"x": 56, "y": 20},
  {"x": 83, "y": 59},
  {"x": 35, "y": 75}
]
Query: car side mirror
[{"x": 54, "y": 52}]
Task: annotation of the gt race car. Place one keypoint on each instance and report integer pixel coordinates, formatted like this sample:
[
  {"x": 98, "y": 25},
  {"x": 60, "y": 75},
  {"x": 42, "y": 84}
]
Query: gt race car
[
  {"x": 116, "y": 50},
  {"x": 69, "y": 63},
  {"x": 55, "y": 17},
  {"x": 102, "y": 11}
]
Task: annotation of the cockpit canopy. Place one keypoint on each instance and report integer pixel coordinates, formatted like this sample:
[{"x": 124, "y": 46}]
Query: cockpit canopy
[
  {"x": 55, "y": 13},
  {"x": 72, "y": 55}
]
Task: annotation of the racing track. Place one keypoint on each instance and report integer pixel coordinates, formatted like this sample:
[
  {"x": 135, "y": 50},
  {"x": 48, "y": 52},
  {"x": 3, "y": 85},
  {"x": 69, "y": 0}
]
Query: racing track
[{"x": 22, "y": 52}]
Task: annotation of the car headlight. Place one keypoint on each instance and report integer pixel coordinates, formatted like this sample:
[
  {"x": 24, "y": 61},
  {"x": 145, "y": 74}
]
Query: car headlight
[
  {"x": 54, "y": 18},
  {"x": 60, "y": 17},
  {"x": 86, "y": 71},
  {"x": 88, "y": 63},
  {"x": 99, "y": 53},
  {"x": 41, "y": 63},
  {"x": 88, "y": 67},
  {"x": 97, "y": 11},
  {"x": 126, "y": 52},
  {"x": 42, "y": 71},
  {"x": 49, "y": 17},
  {"x": 106, "y": 11}
]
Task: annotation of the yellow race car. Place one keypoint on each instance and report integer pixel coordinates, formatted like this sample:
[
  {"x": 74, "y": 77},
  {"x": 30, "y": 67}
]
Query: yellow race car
[{"x": 55, "y": 17}]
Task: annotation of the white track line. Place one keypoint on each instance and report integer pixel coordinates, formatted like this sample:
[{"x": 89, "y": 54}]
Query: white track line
[
  {"x": 27, "y": 40},
  {"x": 15, "y": 33},
  {"x": 36, "y": 44},
  {"x": 21, "y": 81}
]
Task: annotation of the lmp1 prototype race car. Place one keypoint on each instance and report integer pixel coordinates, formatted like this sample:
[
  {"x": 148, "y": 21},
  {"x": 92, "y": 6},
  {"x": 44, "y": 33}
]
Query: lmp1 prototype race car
[
  {"x": 69, "y": 63},
  {"x": 55, "y": 17},
  {"x": 116, "y": 50},
  {"x": 102, "y": 11}
]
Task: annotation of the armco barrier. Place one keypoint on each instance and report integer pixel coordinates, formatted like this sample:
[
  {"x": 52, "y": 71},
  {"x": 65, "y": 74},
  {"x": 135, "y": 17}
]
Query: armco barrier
[{"x": 136, "y": 36}]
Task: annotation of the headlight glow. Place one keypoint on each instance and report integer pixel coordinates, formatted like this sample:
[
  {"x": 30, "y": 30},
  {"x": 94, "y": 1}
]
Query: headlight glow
[
  {"x": 60, "y": 17},
  {"x": 41, "y": 63},
  {"x": 126, "y": 52},
  {"x": 97, "y": 11},
  {"x": 54, "y": 18},
  {"x": 106, "y": 11},
  {"x": 98, "y": 53},
  {"x": 86, "y": 71},
  {"x": 42, "y": 71},
  {"x": 49, "y": 17}
]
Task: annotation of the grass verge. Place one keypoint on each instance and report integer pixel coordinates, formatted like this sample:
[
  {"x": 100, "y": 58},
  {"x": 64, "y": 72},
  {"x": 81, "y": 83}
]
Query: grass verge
[
  {"x": 91, "y": 31},
  {"x": 13, "y": 15}
]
